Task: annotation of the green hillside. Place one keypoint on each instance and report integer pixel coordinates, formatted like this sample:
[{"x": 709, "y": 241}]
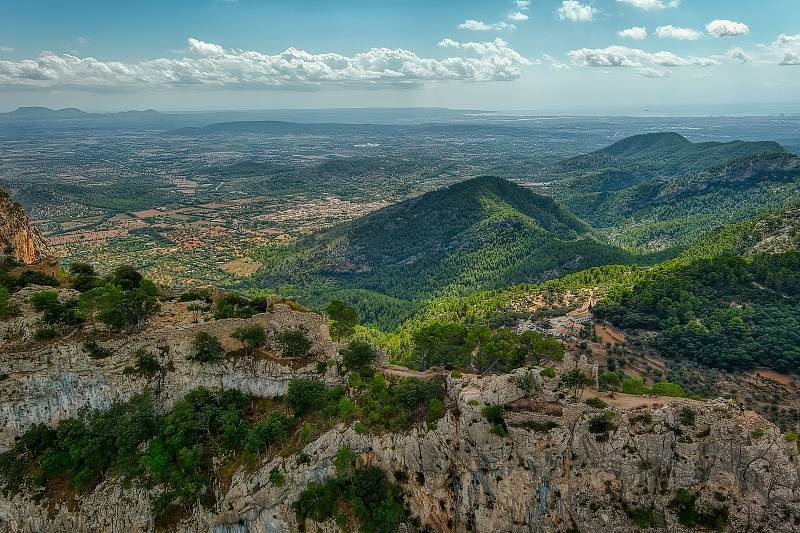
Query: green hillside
[
  {"x": 669, "y": 195},
  {"x": 640, "y": 157},
  {"x": 479, "y": 234}
]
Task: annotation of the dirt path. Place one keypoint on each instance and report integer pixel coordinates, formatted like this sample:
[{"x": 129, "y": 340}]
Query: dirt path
[{"x": 403, "y": 372}]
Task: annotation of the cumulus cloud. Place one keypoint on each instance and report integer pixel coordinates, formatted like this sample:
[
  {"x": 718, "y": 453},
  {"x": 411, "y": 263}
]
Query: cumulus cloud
[
  {"x": 636, "y": 33},
  {"x": 649, "y": 5},
  {"x": 737, "y": 54},
  {"x": 726, "y": 28},
  {"x": 211, "y": 65},
  {"x": 575, "y": 11},
  {"x": 674, "y": 32},
  {"x": 622, "y": 56},
  {"x": 477, "y": 25},
  {"x": 518, "y": 16},
  {"x": 522, "y": 4},
  {"x": 788, "y": 48}
]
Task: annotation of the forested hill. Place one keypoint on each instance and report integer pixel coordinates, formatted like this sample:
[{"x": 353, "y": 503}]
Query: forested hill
[
  {"x": 479, "y": 234},
  {"x": 658, "y": 191},
  {"x": 663, "y": 154}
]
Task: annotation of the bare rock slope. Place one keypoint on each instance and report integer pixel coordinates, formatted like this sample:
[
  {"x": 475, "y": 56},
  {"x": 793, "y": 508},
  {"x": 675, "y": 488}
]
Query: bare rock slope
[
  {"x": 564, "y": 466},
  {"x": 16, "y": 232}
]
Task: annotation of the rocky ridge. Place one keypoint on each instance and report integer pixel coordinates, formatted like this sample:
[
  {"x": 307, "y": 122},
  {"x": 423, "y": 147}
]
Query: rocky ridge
[
  {"x": 16, "y": 232},
  {"x": 558, "y": 469}
]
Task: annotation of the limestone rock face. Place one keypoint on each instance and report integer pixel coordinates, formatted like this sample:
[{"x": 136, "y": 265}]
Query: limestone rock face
[
  {"x": 563, "y": 465},
  {"x": 48, "y": 384},
  {"x": 15, "y": 231}
]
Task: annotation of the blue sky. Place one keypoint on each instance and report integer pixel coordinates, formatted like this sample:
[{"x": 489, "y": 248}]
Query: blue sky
[{"x": 542, "y": 55}]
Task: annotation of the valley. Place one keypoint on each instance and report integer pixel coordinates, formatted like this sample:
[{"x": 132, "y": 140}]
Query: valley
[{"x": 277, "y": 325}]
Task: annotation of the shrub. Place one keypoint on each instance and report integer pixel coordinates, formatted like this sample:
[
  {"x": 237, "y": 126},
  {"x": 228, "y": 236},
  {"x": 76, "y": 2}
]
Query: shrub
[
  {"x": 294, "y": 342},
  {"x": 343, "y": 318},
  {"x": 645, "y": 517},
  {"x": 276, "y": 478},
  {"x": 790, "y": 436},
  {"x": 665, "y": 388},
  {"x": 757, "y": 433},
  {"x": 684, "y": 505},
  {"x": 195, "y": 295},
  {"x": 597, "y": 403},
  {"x": 94, "y": 350},
  {"x": 206, "y": 348},
  {"x": 251, "y": 337},
  {"x": 602, "y": 425},
  {"x": 34, "y": 277},
  {"x": 358, "y": 356},
  {"x": 526, "y": 382},
  {"x": 306, "y": 395},
  {"x": 375, "y": 502},
  {"x": 687, "y": 416},
  {"x": 7, "y": 309},
  {"x": 548, "y": 372},
  {"x": 146, "y": 363},
  {"x": 45, "y": 333},
  {"x": 494, "y": 415},
  {"x": 634, "y": 386},
  {"x": 275, "y": 428}
]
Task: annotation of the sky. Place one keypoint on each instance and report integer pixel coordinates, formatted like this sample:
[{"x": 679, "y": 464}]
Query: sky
[{"x": 597, "y": 57}]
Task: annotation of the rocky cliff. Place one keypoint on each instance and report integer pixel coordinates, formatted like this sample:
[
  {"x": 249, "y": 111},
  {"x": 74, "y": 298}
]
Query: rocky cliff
[
  {"x": 16, "y": 232},
  {"x": 563, "y": 466}
]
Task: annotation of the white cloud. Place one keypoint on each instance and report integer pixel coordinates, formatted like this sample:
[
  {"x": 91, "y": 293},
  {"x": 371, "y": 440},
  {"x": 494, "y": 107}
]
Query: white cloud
[
  {"x": 790, "y": 59},
  {"x": 788, "y": 49},
  {"x": 211, "y": 65},
  {"x": 6, "y": 49},
  {"x": 727, "y": 28},
  {"x": 518, "y": 16},
  {"x": 636, "y": 33},
  {"x": 674, "y": 32},
  {"x": 737, "y": 54},
  {"x": 649, "y": 5},
  {"x": 477, "y": 25},
  {"x": 522, "y": 4},
  {"x": 204, "y": 48},
  {"x": 649, "y": 72},
  {"x": 556, "y": 64},
  {"x": 622, "y": 56},
  {"x": 575, "y": 11}
]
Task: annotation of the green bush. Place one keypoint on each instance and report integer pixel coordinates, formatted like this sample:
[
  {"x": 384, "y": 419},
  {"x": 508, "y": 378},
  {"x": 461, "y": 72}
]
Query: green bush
[
  {"x": 294, "y": 342},
  {"x": 665, "y": 388},
  {"x": 602, "y": 425},
  {"x": 548, "y": 372},
  {"x": 251, "y": 336},
  {"x": 494, "y": 415},
  {"x": 34, "y": 277},
  {"x": 275, "y": 428},
  {"x": 376, "y": 503},
  {"x": 597, "y": 403},
  {"x": 684, "y": 505},
  {"x": 45, "y": 333},
  {"x": 358, "y": 356},
  {"x": 206, "y": 348},
  {"x": 634, "y": 386},
  {"x": 307, "y": 395},
  {"x": 687, "y": 416}
]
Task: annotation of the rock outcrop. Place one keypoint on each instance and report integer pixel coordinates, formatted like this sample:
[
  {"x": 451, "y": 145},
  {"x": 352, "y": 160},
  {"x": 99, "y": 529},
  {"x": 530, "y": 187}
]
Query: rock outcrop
[
  {"x": 17, "y": 234},
  {"x": 558, "y": 469},
  {"x": 53, "y": 382}
]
